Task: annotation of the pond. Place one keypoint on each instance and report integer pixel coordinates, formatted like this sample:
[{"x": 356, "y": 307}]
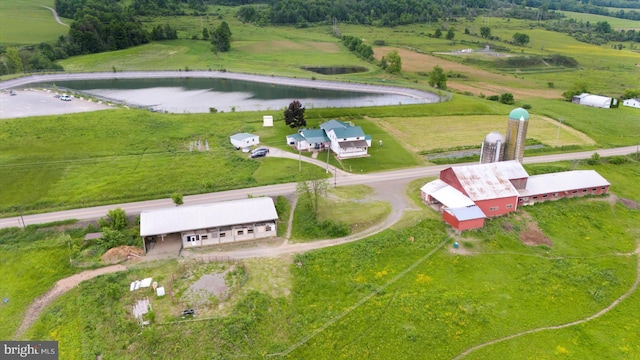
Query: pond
[{"x": 200, "y": 95}]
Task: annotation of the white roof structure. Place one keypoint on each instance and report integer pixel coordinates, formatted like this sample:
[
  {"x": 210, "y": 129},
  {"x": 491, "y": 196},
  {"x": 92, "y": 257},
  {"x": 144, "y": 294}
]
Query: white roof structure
[
  {"x": 490, "y": 181},
  {"x": 447, "y": 195},
  {"x": 242, "y": 136},
  {"x": 467, "y": 213},
  {"x": 594, "y": 100},
  {"x": 563, "y": 181},
  {"x": 195, "y": 217}
]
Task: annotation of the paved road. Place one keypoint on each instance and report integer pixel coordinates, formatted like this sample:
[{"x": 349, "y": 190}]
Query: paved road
[{"x": 340, "y": 178}]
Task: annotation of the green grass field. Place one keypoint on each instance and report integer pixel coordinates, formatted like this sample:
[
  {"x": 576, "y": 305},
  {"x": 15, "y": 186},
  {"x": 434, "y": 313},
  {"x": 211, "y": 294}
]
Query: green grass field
[
  {"x": 433, "y": 306},
  {"x": 616, "y": 23},
  {"x": 28, "y": 22}
]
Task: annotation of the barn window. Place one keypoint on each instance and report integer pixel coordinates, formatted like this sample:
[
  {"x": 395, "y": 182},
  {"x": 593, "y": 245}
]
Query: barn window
[
  {"x": 584, "y": 190},
  {"x": 555, "y": 194},
  {"x": 223, "y": 234},
  {"x": 204, "y": 237},
  {"x": 240, "y": 232},
  {"x": 249, "y": 231},
  {"x": 267, "y": 228},
  {"x": 574, "y": 192},
  {"x": 603, "y": 188},
  {"x": 535, "y": 198},
  {"x": 545, "y": 196},
  {"x": 509, "y": 206},
  {"x": 594, "y": 189},
  {"x": 494, "y": 208}
]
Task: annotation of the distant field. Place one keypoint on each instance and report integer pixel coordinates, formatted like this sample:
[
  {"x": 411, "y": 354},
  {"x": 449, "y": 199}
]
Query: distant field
[
  {"x": 27, "y": 22},
  {"x": 618, "y": 24}
]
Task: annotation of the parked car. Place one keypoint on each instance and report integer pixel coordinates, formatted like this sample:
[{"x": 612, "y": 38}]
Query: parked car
[
  {"x": 13, "y": 93},
  {"x": 65, "y": 98},
  {"x": 260, "y": 149},
  {"x": 258, "y": 153}
]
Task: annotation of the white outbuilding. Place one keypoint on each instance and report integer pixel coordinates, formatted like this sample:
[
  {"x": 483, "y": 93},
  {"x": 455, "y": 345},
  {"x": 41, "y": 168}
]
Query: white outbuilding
[
  {"x": 244, "y": 141},
  {"x": 213, "y": 223},
  {"x": 594, "y": 100},
  {"x": 632, "y": 103}
]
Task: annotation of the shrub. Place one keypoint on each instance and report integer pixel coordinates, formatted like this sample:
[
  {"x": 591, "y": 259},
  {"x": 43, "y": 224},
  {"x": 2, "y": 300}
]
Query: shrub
[
  {"x": 379, "y": 42},
  {"x": 493, "y": 97},
  {"x": 507, "y": 98},
  {"x": 618, "y": 160},
  {"x": 526, "y": 106},
  {"x": 177, "y": 199}
]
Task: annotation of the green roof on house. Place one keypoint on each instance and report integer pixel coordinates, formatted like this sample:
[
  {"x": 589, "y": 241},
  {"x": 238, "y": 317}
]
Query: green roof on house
[
  {"x": 314, "y": 136},
  {"x": 332, "y": 124},
  {"x": 349, "y": 132}
]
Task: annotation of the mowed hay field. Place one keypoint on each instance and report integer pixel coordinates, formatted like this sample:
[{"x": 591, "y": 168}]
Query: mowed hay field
[
  {"x": 475, "y": 81},
  {"x": 420, "y": 134},
  {"x": 29, "y": 22}
]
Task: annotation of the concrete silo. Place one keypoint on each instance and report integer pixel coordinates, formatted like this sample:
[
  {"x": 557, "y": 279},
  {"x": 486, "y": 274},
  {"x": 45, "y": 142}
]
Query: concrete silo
[
  {"x": 492, "y": 148},
  {"x": 516, "y": 134}
]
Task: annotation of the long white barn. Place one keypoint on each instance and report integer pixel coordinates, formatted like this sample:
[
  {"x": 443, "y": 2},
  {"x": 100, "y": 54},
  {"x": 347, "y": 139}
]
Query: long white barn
[{"x": 214, "y": 223}]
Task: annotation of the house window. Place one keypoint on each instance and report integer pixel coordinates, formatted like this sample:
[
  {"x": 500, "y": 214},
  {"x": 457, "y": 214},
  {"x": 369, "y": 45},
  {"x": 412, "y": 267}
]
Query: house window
[
  {"x": 494, "y": 208},
  {"x": 249, "y": 231},
  {"x": 509, "y": 206}
]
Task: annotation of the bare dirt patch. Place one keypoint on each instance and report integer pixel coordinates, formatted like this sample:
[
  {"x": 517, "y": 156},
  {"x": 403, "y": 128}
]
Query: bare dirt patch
[
  {"x": 121, "y": 253},
  {"x": 629, "y": 203}
]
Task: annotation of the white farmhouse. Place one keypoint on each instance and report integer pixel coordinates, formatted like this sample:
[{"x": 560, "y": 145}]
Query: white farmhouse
[{"x": 347, "y": 141}]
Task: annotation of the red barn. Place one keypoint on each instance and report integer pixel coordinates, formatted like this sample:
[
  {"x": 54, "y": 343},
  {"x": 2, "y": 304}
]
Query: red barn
[{"x": 466, "y": 195}]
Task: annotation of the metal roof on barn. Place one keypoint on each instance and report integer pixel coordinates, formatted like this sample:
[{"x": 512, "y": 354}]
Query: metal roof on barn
[
  {"x": 490, "y": 181},
  {"x": 471, "y": 212},
  {"x": 563, "y": 181},
  {"x": 195, "y": 217},
  {"x": 450, "y": 197}
]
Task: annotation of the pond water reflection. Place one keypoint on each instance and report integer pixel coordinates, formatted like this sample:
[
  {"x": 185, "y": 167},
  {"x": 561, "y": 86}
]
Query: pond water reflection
[{"x": 198, "y": 95}]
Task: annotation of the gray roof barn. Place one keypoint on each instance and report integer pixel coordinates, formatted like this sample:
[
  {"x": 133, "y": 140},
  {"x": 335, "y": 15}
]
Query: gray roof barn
[{"x": 195, "y": 217}]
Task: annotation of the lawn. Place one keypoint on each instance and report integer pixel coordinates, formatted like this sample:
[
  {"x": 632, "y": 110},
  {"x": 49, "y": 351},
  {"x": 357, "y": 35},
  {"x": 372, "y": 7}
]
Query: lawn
[
  {"x": 124, "y": 155},
  {"x": 28, "y": 22}
]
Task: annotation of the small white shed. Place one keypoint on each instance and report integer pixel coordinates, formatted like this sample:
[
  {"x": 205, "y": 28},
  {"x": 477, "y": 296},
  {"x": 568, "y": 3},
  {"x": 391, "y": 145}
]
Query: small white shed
[
  {"x": 267, "y": 121},
  {"x": 244, "y": 140},
  {"x": 632, "y": 103}
]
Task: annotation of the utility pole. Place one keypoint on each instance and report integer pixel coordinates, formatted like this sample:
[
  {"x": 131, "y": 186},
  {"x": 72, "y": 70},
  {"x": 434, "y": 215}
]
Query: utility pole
[
  {"x": 299, "y": 161},
  {"x": 328, "y": 151},
  {"x": 558, "y": 133},
  {"x": 335, "y": 178}
]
